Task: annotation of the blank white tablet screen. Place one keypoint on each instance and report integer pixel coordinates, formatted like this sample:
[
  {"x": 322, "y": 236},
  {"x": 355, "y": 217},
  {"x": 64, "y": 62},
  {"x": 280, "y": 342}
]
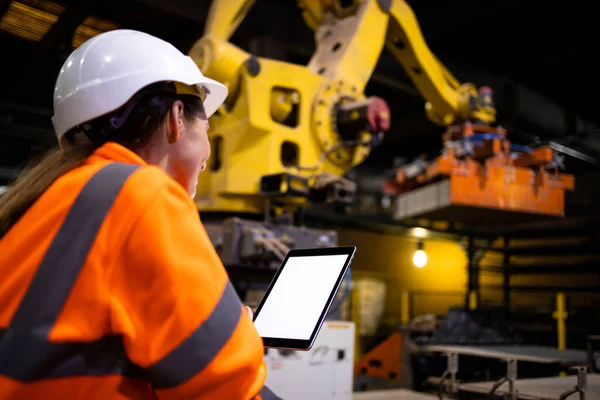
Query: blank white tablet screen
[{"x": 294, "y": 305}]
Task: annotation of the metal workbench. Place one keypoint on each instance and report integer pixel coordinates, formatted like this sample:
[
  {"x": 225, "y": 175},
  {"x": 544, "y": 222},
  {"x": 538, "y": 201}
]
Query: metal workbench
[
  {"x": 576, "y": 360},
  {"x": 539, "y": 389},
  {"x": 536, "y": 354}
]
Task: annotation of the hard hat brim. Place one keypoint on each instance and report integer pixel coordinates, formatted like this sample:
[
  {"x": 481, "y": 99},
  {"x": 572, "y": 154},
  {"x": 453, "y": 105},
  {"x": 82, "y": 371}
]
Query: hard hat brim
[
  {"x": 216, "y": 93},
  {"x": 211, "y": 92}
]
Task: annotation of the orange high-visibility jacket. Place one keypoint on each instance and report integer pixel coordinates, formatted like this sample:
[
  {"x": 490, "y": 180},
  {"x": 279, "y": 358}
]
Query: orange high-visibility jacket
[{"x": 111, "y": 289}]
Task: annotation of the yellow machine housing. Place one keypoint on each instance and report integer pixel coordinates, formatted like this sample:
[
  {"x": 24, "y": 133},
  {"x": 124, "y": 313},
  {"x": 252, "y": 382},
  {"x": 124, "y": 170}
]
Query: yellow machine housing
[
  {"x": 281, "y": 118},
  {"x": 278, "y": 115}
]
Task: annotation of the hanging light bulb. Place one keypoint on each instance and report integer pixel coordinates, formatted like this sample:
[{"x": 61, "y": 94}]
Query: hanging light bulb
[{"x": 420, "y": 257}]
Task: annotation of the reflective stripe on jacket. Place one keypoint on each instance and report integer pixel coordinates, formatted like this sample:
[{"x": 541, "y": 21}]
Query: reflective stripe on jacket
[{"x": 111, "y": 289}]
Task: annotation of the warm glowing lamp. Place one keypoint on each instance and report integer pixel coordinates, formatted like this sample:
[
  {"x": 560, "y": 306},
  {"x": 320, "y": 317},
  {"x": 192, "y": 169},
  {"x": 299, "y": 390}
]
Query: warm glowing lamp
[{"x": 420, "y": 257}]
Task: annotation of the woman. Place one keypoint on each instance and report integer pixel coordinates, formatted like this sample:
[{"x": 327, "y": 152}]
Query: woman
[{"x": 111, "y": 288}]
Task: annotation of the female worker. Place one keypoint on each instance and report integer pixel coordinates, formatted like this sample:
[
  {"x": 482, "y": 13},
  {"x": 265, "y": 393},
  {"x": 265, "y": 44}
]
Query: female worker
[{"x": 110, "y": 286}]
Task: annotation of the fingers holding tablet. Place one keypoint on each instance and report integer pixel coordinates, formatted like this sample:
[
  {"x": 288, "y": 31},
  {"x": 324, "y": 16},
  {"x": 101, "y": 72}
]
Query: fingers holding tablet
[{"x": 249, "y": 312}]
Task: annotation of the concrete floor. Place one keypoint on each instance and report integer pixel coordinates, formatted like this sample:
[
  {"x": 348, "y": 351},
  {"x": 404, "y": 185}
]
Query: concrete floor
[{"x": 392, "y": 394}]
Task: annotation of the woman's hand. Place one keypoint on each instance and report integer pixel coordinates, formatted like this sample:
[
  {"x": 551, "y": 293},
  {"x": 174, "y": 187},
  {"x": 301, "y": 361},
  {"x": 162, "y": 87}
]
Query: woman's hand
[{"x": 249, "y": 311}]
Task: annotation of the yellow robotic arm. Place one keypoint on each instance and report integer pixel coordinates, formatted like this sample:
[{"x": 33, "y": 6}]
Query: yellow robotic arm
[
  {"x": 287, "y": 128},
  {"x": 448, "y": 102},
  {"x": 290, "y": 132},
  {"x": 225, "y": 17},
  {"x": 215, "y": 56}
]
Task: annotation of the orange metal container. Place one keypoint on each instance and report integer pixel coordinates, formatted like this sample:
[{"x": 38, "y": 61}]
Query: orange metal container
[{"x": 487, "y": 179}]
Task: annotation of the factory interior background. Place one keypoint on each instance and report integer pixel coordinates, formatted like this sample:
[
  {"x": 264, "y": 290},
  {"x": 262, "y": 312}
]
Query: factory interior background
[{"x": 476, "y": 224}]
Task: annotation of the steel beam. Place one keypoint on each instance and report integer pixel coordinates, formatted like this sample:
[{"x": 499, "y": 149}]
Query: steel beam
[
  {"x": 473, "y": 295},
  {"x": 13, "y": 116},
  {"x": 572, "y": 246},
  {"x": 565, "y": 269},
  {"x": 565, "y": 227},
  {"x": 545, "y": 289},
  {"x": 4, "y": 4},
  {"x": 60, "y": 32},
  {"x": 27, "y": 132},
  {"x": 9, "y": 174},
  {"x": 191, "y": 10},
  {"x": 506, "y": 275}
]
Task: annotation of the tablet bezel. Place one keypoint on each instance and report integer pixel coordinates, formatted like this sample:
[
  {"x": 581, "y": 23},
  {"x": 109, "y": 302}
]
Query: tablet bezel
[{"x": 306, "y": 344}]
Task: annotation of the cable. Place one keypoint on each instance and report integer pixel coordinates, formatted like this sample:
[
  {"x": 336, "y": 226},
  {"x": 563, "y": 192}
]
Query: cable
[{"x": 344, "y": 144}]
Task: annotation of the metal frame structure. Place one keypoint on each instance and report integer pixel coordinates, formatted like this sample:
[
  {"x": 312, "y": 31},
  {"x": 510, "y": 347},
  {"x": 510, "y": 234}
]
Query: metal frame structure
[
  {"x": 584, "y": 229},
  {"x": 592, "y": 347},
  {"x": 576, "y": 362}
]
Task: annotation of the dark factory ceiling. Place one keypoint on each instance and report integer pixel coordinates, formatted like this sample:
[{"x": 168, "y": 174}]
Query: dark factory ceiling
[{"x": 539, "y": 61}]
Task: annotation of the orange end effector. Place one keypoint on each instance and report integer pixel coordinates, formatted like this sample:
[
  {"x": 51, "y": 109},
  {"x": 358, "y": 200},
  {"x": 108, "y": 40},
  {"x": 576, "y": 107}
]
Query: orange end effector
[{"x": 487, "y": 177}]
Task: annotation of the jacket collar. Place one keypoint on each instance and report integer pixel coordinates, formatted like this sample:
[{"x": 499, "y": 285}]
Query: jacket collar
[{"x": 115, "y": 152}]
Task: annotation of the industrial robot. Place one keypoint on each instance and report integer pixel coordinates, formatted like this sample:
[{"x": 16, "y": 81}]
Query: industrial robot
[{"x": 288, "y": 134}]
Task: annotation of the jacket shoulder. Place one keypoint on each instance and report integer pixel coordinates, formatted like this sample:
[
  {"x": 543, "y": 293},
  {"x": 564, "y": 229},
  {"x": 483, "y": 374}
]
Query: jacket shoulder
[{"x": 149, "y": 182}]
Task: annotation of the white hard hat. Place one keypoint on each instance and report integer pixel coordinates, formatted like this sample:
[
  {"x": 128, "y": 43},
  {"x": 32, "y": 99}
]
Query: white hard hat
[{"x": 106, "y": 71}]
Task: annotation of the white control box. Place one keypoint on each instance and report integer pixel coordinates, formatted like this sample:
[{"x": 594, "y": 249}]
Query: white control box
[{"x": 325, "y": 372}]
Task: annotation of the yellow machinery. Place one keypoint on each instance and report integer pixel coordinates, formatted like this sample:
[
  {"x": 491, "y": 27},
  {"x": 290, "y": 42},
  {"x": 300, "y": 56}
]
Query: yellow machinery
[
  {"x": 282, "y": 120},
  {"x": 288, "y": 133},
  {"x": 291, "y": 131}
]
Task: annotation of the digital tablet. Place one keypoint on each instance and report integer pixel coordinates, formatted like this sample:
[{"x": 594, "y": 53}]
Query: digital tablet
[{"x": 294, "y": 306}]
